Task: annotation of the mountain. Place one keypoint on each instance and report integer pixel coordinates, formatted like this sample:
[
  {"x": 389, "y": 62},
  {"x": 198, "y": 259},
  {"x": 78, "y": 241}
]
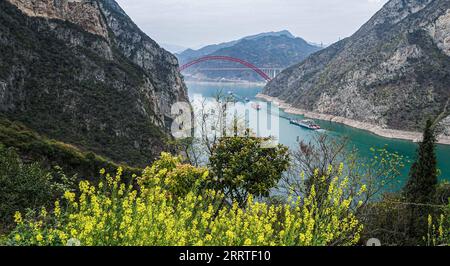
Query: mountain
[
  {"x": 191, "y": 54},
  {"x": 266, "y": 50},
  {"x": 83, "y": 73},
  {"x": 393, "y": 73},
  {"x": 173, "y": 48}
]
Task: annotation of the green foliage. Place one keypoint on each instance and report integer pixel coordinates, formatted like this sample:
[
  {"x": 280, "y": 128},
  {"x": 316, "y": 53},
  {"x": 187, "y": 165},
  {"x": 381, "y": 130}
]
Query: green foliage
[
  {"x": 389, "y": 220},
  {"x": 177, "y": 178},
  {"x": 243, "y": 166},
  {"x": 326, "y": 154},
  {"x": 404, "y": 218},
  {"x": 26, "y": 186},
  {"x": 438, "y": 229},
  {"x": 386, "y": 220},
  {"x": 53, "y": 153},
  {"x": 442, "y": 196},
  {"x": 422, "y": 184}
]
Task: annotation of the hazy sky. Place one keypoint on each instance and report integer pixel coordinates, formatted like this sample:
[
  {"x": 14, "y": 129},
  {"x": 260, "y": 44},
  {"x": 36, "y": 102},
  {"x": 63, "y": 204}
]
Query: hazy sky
[{"x": 192, "y": 23}]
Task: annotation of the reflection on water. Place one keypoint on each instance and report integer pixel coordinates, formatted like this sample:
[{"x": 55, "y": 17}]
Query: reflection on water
[{"x": 290, "y": 134}]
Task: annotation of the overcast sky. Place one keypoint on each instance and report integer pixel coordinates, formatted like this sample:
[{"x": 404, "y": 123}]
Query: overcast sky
[{"x": 193, "y": 23}]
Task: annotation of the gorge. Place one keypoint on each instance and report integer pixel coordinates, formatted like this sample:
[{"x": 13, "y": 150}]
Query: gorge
[{"x": 389, "y": 77}]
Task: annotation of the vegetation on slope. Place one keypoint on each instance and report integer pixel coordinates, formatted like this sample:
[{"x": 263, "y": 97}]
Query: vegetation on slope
[
  {"x": 33, "y": 147},
  {"x": 79, "y": 88},
  {"x": 113, "y": 213}
]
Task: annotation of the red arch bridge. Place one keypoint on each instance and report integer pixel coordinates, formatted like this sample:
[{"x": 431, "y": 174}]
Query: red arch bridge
[{"x": 266, "y": 73}]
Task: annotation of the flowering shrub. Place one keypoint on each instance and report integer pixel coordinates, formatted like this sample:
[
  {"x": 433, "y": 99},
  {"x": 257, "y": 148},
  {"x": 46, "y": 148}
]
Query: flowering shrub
[
  {"x": 173, "y": 176},
  {"x": 438, "y": 233},
  {"x": 113, "y": 213}
]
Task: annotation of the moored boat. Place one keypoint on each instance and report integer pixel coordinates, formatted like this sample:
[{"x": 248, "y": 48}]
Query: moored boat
[{"x": 308, "y": 124}]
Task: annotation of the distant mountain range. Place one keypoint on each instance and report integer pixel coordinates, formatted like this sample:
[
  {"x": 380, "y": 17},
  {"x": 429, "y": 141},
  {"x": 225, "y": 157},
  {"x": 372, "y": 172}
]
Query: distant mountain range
[
  {"x": 190, "y": 54},
  {"x": 394, "y": 72},
  {"x": 266, "y": 50},
  {"x": 173, "y": 48}
]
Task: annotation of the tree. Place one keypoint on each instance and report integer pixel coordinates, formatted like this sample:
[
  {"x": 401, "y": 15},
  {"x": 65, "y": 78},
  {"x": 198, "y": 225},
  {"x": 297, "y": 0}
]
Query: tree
[
  {"x": 320, "y": 157},
  {"x": 324, "y": 156},
  {"x": 242, "y": 166},
  {"x": 421, "y": 187},
  {"x": 212, "y": 121},
  {"x": 318, "y": 162}
]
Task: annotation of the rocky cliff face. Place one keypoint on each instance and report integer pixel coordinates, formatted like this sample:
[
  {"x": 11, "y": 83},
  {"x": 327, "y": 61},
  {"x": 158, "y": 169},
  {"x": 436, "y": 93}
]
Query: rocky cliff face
[
  {"x": 160, "y": 65},
  {"x": 445, "y": 124},
  {"x": 82, "y": 72},
  {"x": 394, "y": 72},
  {"x": 81, "y": 12}
]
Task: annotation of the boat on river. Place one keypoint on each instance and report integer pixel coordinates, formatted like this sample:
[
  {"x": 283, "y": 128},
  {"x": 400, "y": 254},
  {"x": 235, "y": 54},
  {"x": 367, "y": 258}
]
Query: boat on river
[{"x": 308, "y": 124}]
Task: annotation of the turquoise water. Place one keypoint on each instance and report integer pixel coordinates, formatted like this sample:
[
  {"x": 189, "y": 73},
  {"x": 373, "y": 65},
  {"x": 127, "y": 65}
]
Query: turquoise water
[{"x": 290, "y": 134}]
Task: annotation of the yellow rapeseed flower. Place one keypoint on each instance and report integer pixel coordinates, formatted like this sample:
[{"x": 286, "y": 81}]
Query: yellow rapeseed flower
[
  {"x": 119, "y": 214},
  {"x": 43, "y": 212},
  {"x": 17, "y": 218},
  {"x": 69, "y": 196},
  {"x": 57, "y": 210}
]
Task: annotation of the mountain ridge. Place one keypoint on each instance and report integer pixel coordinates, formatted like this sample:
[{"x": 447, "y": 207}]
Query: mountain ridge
[
  {"x": 275, "y": 50},
  {"x": 68, "y": 10},
  {"x": 393, "y": 72},
  {"x": 109, "y": 94},
  {"x": 190, "y": 54}
]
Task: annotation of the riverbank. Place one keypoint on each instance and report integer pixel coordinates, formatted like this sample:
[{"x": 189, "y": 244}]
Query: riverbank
[
  {"x": 383, "y": 132},
  {"x": 227, "y": 83}
]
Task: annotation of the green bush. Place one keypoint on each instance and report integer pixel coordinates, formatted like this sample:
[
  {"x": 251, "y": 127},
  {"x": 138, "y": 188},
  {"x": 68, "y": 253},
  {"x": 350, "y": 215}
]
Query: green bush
[
  {"x": 243, "y": 166},
  {"x": 25, "y": 186},
  {"x": 177, "y": 178},
  {"x": 53, "y": 153}
]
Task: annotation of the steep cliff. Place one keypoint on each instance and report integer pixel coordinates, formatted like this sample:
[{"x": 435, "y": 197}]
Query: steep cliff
[
  {"x": 394, "y": 72},
  {"x": 82, "y": 72},
  {"x": 83, "y": 13}
]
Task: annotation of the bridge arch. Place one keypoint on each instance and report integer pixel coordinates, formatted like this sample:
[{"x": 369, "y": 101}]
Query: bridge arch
[{"x": 226, "y": 58}]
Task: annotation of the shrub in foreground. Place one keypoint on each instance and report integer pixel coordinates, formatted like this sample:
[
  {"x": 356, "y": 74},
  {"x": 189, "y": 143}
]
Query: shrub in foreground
[
  {"x": 245, "y": 165},
  {"x": 25, "y": 186},
  {"x": 438, "y": 233},
  {"x": 114, "y": 213}
]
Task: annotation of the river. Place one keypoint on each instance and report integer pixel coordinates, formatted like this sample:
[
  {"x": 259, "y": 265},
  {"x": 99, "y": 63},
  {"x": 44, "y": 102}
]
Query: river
[{"x": 289, "y": 134}]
